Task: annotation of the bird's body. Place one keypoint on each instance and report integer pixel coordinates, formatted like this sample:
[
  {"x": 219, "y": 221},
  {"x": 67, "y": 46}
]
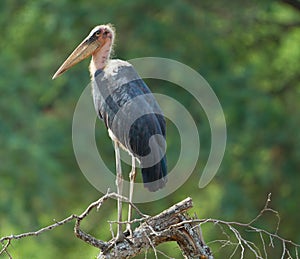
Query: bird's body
[
  {"x": 132, "y": 116},
  {"x": 129, "y": 110}
]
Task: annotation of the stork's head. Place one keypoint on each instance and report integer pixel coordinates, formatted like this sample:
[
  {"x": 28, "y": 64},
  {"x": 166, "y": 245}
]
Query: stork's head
[{"x": 101, "y": 36}]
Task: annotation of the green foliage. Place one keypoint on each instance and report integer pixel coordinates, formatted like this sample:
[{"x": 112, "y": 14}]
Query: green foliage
[{"x": 248, "y": 51}]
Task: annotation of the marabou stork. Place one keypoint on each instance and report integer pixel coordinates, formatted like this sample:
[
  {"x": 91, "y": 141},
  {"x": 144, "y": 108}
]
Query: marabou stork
[{"x": 129, "y": 110}]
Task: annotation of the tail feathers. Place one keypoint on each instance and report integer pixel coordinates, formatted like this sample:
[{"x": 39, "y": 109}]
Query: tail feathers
[{"x": 155, "y": 177}]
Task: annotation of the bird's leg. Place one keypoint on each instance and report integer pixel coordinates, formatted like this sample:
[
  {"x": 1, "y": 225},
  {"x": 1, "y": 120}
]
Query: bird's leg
[
  {"x": 132, "y": 178},
  {"x": 119, "y": 183}
]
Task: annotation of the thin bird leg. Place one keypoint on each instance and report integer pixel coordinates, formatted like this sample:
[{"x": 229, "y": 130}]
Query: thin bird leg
[
  {"x": 119, "y": 183},
  {"x": 132, "y": 178}
]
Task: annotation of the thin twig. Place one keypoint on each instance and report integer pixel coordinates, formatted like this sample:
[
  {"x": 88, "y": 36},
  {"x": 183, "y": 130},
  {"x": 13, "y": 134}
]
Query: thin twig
[
  {"x": 151, "y": 244},
  {"x": 38, "y": 232},
  {"x": 264, "y": 245},
  {"x": 4, "y": 249}
]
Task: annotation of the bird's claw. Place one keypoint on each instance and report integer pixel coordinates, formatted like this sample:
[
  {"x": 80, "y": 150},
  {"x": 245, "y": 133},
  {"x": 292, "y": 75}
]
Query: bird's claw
[
  {"x": 128, "y": 232},
  {"x": 119, "y": 238}
]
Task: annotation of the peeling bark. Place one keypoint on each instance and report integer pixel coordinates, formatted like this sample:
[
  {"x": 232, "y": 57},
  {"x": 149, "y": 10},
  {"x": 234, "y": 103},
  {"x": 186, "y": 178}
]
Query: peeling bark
[{"x": 173, "y": 224}]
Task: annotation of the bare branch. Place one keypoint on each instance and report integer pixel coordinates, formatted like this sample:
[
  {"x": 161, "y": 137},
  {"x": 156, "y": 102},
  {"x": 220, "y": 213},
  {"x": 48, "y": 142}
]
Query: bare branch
[
  {"x": 172, "y": 224},
  {"x": 249, "y": 227},
  {"x": 4, "y": 249},
  {"x": 162, "y": 228},
  {"x": 38, "y": 232},
  {"x": 79, "y": 233}
]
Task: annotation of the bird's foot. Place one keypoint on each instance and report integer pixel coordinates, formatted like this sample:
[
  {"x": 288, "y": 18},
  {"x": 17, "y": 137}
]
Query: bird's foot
[
  {"x": 128, "y": 232},
  {"x": 112, "y": 243},
  {"x": 120, "y": 238},
  {"x": 123, "y": 236}
]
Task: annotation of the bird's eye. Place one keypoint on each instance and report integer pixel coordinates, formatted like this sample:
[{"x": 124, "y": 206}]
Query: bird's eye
[{"x": 98, "y": 33}]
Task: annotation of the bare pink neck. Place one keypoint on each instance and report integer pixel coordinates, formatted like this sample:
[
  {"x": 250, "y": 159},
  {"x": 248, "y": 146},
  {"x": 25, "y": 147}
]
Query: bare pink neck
[{"x": 100, "y": 58}]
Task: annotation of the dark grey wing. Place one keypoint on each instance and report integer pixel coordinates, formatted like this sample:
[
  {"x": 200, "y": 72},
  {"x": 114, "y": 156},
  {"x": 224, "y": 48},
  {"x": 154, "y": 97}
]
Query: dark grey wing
[{"x": 131, "y": 112}]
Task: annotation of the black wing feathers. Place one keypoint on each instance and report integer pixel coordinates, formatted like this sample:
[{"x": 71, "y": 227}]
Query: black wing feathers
[{"x": 118, "y": 103}]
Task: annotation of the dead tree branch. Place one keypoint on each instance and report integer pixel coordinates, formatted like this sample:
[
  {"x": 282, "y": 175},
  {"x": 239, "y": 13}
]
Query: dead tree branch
[
  {"x": 173, "y": 224},
  {"x": 242, "y": 243},
  {"x": 152, "y": 232},
  {"x": 159, "y": 229}
]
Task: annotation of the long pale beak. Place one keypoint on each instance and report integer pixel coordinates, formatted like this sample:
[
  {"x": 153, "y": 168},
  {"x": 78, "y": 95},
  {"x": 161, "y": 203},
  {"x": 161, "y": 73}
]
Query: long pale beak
[{"x": 85, "y": 49}]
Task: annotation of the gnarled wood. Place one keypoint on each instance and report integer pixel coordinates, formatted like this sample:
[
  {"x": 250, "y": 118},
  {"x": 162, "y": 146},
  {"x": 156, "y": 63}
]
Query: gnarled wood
[{"x": 173, "y": 224}]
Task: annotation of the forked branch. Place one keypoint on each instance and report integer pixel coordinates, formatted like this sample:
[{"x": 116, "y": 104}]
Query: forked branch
[{"x": 173, "y": 224}]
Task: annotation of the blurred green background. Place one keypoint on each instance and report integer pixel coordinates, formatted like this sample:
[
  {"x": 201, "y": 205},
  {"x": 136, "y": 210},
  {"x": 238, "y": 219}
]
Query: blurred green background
[{"x": 249, "y": 52}]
